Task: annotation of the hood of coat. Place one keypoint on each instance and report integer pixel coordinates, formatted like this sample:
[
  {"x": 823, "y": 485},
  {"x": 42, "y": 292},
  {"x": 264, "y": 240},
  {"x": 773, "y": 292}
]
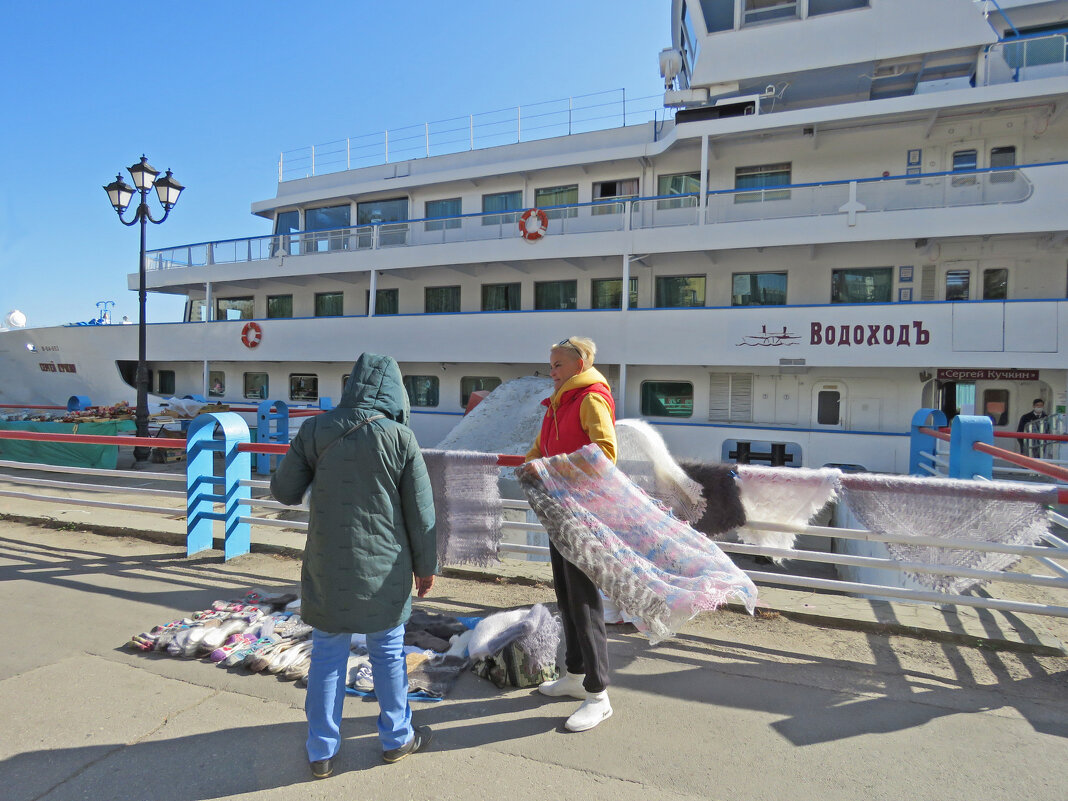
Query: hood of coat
[
  {"x": 588, "y": 377},
  {"x": 375, "y": 386}
]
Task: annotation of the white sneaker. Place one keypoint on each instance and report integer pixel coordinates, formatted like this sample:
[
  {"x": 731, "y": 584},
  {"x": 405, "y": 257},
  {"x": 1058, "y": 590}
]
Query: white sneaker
[
  {"x": 570, "y": 685},
  {"x": 593, "y": 710}
]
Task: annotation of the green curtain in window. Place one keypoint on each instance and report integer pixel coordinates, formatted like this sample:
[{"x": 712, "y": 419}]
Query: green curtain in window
[
  {"x": 680, "y": 290},
  {"x": 328, "y": 304},
  {"x": 550, "y": 295},
  {"x": 442, "y": 299},
  {"x": 605, "y": 293},
  {"x": 500, "y": 297}
]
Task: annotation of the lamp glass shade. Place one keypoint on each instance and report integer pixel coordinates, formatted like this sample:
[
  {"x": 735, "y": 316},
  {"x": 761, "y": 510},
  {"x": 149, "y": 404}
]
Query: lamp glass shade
[
  {"x": 143, "y": 173},
  {"x": 120, "y": 193},
  {"x": 168, "y": 190}
]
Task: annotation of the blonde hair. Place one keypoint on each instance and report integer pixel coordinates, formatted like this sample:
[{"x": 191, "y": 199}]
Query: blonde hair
[{"x": 583, "y": 346}]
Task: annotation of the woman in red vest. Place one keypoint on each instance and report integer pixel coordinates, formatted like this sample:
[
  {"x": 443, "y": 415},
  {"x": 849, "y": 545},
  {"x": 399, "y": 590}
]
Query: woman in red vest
[{"x": 581, "y": 411}]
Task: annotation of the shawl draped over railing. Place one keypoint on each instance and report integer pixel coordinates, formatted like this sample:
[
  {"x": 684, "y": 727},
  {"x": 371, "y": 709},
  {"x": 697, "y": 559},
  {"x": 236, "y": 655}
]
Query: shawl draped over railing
[
  {"x": 467, "y": 506},
  {"x": 649, "y": 563}
]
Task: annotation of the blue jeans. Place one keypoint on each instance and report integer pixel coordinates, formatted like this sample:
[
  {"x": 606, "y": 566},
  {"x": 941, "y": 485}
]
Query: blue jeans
[{"x": 326, "y": 690}]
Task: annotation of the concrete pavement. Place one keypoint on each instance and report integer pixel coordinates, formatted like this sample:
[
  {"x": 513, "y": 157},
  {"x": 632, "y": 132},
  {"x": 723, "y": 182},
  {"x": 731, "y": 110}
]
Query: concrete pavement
[{"x": 735, "y": 708}]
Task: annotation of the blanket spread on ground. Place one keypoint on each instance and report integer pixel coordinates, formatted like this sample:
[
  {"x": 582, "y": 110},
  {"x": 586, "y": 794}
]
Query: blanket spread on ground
[
  {"x": 649, "y": 563},
  {"x": 912, "y": 506},
  {"x": 467, "y": 506}
]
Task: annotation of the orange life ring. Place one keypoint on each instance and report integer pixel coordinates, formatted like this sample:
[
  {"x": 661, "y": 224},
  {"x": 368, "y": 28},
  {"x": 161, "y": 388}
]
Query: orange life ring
[
  {"x": 251, "y": 335},
  {"x": 530, "y": 232}
]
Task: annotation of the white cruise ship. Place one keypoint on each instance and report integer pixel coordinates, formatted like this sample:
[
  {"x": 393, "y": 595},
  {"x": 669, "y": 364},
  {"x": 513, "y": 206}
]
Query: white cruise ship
[{"x": 848, "y": 210}]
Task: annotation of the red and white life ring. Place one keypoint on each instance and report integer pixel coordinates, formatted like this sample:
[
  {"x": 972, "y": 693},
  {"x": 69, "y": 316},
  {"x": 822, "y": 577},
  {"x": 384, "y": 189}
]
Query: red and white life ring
[
  {"x": 251, "y": 335},
  {"x": 533, "y": 224}
]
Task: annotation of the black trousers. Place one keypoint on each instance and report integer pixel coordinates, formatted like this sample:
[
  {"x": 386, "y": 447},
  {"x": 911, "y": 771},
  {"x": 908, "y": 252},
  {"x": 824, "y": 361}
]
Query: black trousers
[{"x": 583, "y": 616}]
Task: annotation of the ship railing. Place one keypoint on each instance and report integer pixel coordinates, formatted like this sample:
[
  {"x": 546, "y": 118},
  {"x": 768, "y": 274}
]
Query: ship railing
[
  {"x": 560, "y": 117},
  {"x": 990, "y": 186},
  {"x": 219, "y": 494},
  {"x": 1024, "y": 58}
]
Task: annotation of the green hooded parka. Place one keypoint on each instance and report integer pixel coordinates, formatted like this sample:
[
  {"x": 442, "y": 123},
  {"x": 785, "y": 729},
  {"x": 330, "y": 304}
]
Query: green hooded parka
[{"x": 371, "y": 524}]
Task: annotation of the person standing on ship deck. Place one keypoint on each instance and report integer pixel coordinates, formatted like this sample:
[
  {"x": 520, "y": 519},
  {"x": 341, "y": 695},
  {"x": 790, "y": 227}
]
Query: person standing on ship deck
[
  {"x": 371, "y": 527},
  {"x": 581, "y": 411},
  {"x": 1031, "y": 447}
]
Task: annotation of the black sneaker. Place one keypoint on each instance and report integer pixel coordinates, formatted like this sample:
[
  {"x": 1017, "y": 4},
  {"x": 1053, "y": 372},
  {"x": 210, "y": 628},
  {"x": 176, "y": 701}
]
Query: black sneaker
[
  {"x": 419, "y": 741},
  {"x": 323, "y": 768}
]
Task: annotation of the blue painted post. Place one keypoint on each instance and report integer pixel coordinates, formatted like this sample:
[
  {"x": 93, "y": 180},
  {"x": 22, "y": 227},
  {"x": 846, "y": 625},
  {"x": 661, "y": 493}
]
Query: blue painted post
[
  {"x": 202, "y": 480},
  {"x": 75, "y": 403},
  {"x": 919, "y": 442},
  {"x": 964, "y": 461},
  {"x": 271, "y": 426}
]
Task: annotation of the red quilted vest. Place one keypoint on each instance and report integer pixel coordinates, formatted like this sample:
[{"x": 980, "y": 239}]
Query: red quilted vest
[{"x": 561, "y": 432}]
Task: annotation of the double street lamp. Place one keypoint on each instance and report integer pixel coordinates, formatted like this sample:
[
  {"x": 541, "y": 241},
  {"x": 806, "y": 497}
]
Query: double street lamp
[{"x": 121, "y": 193}]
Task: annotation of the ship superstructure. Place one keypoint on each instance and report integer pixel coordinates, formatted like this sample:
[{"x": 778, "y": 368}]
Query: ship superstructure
[{"x": 857, "y": 209}]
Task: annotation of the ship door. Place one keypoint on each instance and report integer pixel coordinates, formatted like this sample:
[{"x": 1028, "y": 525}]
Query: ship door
[{"x": 829, "y": 404}]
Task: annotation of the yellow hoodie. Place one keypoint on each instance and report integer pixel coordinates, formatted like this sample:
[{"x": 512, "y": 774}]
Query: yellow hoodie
[{"x": 595, "y": 415}]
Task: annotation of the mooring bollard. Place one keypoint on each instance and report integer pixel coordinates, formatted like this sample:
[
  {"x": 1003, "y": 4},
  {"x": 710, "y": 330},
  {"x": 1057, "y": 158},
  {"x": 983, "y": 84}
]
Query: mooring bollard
[{"x": 202, "y": 480}]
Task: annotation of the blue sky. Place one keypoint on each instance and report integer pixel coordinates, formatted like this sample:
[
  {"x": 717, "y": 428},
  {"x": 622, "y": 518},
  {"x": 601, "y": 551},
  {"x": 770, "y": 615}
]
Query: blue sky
[{"x": 215, "y": 91}]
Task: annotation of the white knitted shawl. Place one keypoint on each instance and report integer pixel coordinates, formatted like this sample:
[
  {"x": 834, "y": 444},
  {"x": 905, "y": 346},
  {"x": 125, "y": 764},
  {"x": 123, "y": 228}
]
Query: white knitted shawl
[
  {"x": 643, "y": 456},
  {"x": 994, "y": 511},
  {"x": 785, "y": 495}
]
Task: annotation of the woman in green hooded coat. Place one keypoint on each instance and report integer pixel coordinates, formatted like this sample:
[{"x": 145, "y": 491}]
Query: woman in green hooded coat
[{"x": 370, "y": 529}]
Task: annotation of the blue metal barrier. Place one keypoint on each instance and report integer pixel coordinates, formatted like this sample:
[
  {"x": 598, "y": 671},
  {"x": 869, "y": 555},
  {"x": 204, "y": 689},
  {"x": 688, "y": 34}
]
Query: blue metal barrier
[
  {"x": 272, "y": 425},
  {"x": 920, "y": 442},
  {"x": 964, "y": 461},
  {"x": 201, "y": 482}
]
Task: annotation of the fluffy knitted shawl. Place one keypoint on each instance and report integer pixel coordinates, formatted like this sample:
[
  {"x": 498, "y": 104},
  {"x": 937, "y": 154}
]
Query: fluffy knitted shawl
[
  {"x": 784, "y": 495},
  {"x": 643, "y": 456},
  {"x": 467, "y": 504},
  {"x": 723, "y": 509},
  {"x": 910, "y": 506},
  {"x": 648, "y": 562},
  {"x": 536, "y": 631}
]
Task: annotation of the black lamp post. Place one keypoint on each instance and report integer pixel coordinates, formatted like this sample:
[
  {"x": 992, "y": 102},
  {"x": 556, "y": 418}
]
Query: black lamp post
[{"x": 121, "y": 193}]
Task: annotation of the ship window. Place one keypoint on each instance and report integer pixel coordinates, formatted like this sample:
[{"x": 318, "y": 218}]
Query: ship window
[
  {"x": 442, "y": 299},
  {"x": 303, "y": 387},
  {"x": 691, "y": 44},
  {"x": 817, "y": 7},
  {"x": 996, "y": 406},
  {"x": 551, "y": 295},
  {"x": 965, "y": 160},
  {"x": 862, "y": 285},
  {"x": 683, "y": 183},
  {"x": 605, "y": 293},
  {"x": 377, "y": 211},
  {"x": 996, "y": 284},
  {"x": 387, "y": 301},
  {"x": 1002, "y": 157},
  {"x": 828, "y": 407},
  {"x": 501, "y": 201},
  {"x": 958, "y": 284},
  {"x": 233, "y": 308},
  {"x": 758, "y": 289},
  {"x": 279, "y": 306},
  {"x": 472, "y": 383},
  {"x": 500, "y": 297},
  {"x": 557, "y": 196},
  {"x": 667, "y": 398},
  {"x": 329, "y": 304},
  {"x": 166, "y": 383},
  {"x": 216, "y": 384},
  {"x": 196, "y": 311},
  {"x": 674, "y": 291},
  {"x": 449, "y": 208},
  {"x": 328, "y": 217},
  {"x": 754, "y": 11},
  {"x": 422, "y": 389},
  {"x": 285, "y": 224},
  {"x": 762, "y": 176},
  {"x": 730, "y": 398},
  {"x": 613, "y": 190},
  {"x": 256, "y": 386},
  {"x": 718, "y": 14}
]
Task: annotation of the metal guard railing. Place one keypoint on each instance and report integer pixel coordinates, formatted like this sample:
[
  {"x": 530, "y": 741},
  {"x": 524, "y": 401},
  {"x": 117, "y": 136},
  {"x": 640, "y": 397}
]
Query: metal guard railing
[
  {"x": 990, "y": 186},
  {"x": 226, "y": 499}
]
